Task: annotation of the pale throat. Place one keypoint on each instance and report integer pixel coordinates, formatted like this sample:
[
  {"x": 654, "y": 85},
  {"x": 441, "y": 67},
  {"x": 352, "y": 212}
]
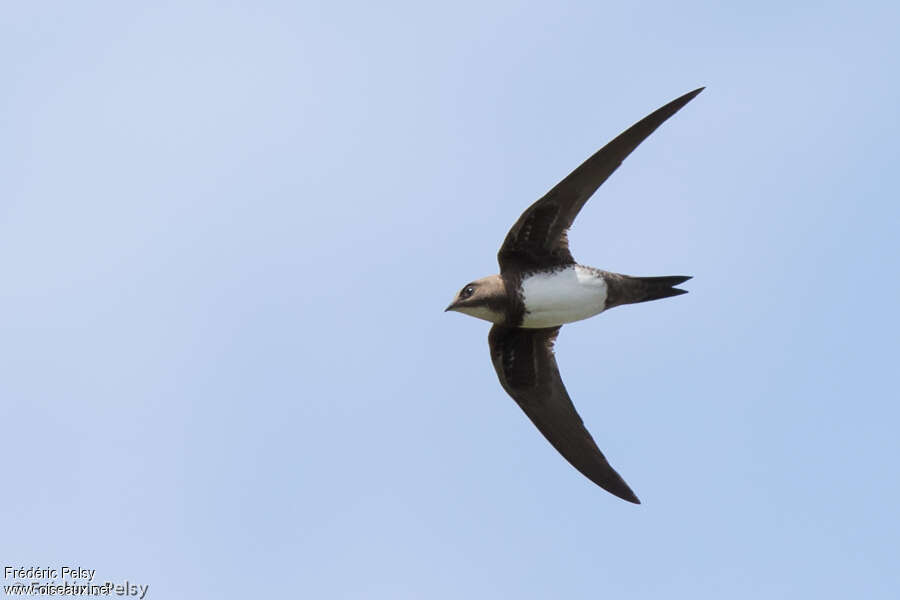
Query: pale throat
[
  {"x": 563, "y": 296},
  {"x": 483, "y": 312}
]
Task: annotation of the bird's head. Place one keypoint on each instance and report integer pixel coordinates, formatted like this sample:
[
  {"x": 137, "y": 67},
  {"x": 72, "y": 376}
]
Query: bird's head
[{"x": 483, "y": 298}]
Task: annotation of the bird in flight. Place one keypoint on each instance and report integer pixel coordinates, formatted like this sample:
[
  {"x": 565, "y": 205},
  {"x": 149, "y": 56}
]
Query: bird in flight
[{"x": 540, "y": 288}]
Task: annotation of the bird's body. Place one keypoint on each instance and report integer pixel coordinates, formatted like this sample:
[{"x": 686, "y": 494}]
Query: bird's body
[
  {"x": 540, "y": 288},
  {"x": 562, "y": 295}
]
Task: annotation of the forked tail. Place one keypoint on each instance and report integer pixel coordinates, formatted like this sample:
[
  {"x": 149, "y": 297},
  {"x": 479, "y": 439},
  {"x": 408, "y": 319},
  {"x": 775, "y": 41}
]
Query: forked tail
[{"x": 625, "y": 289}]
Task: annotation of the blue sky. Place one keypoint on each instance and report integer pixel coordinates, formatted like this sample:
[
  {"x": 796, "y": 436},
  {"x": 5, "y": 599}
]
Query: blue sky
[{"x": 228, "y": 232}]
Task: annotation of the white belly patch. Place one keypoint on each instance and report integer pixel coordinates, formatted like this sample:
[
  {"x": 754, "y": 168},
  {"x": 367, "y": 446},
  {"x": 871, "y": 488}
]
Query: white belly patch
[{"x": 563, "y": 296}]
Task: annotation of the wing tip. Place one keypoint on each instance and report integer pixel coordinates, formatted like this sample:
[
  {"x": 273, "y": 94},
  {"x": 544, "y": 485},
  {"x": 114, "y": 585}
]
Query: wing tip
[
  {"x": 616, "y": 486},
  {"x": 693, "y": 93},
  {"x": 625, "y": 494},
  {"x": 682, "y": 100}
]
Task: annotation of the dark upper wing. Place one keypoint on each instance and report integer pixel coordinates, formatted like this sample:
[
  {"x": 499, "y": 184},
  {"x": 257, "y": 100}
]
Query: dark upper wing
[
  {"x": 538, "y": 239},
  {"x": 527, "y": 370}
]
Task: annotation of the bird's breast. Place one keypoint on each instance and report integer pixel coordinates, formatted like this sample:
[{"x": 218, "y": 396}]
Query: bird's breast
[{"x": 560, "y": 296}]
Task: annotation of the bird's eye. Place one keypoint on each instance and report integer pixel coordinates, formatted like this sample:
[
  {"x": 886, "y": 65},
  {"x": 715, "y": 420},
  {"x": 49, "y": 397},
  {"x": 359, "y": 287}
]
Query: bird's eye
[{"x": 467, "y": 291}]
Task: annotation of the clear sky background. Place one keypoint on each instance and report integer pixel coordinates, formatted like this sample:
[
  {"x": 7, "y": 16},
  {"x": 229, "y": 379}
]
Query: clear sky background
[{"x": 228, "y": 232}]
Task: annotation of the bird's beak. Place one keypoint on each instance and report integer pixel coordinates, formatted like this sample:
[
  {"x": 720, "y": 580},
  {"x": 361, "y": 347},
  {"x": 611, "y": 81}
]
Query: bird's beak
[{"x": 451, "y": 307}]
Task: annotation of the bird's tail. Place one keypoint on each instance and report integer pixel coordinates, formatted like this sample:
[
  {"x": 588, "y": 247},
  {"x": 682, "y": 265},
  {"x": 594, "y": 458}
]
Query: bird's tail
[{"x": 625, "y": 289}]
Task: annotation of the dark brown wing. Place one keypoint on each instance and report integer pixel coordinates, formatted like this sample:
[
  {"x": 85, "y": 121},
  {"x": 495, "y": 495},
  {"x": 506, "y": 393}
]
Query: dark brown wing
[
  {"x": 527, "y": 370},
  {"x": 538, "y": 239}
]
